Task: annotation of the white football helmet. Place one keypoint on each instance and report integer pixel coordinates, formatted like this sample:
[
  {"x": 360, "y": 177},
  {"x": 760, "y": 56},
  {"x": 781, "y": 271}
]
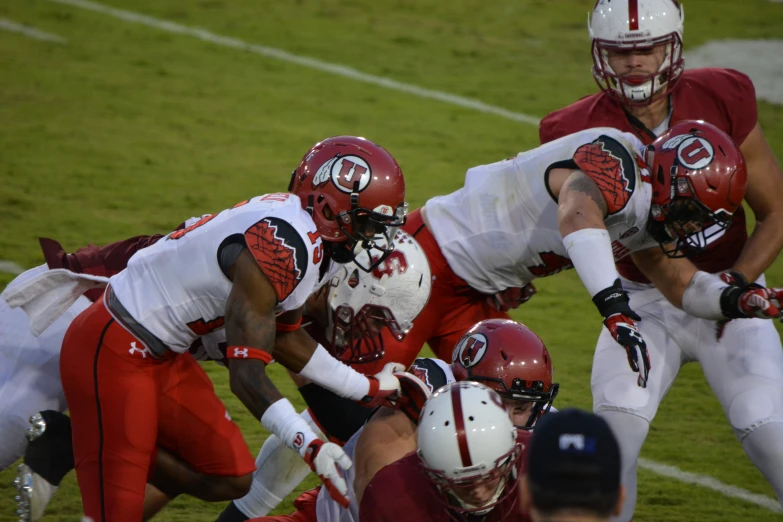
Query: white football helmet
[
  {"x": 392, "y": 294},
  {"x": 466, "y": 438},
  {"x": 636, "y": 24}
]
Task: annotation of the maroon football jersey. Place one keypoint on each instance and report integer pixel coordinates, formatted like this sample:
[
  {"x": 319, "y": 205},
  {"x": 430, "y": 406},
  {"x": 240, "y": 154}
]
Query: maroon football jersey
[
  {"x": 93, "y": 260},
  {"x": 402, "y": 491},
  {"x": 723, "y": 97}
]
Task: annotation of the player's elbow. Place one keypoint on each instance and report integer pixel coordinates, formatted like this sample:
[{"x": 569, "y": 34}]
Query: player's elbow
[{"x": 573, "y": 217}]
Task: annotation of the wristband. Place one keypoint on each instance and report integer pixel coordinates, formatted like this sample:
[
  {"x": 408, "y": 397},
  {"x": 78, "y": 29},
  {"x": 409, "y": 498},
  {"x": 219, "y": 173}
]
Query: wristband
[
  {"x": 288, "y": 328},
  {"x": 614, "y": 300},
  {"x": 247, "y": 352},
  {"x": 282, "y": 420}
]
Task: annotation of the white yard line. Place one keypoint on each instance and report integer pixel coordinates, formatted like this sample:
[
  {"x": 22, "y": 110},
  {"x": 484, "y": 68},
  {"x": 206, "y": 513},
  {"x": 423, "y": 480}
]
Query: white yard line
[
  {"x": 305, "y": 61},
  {"x": 710, "y": 483},
  {"x": 31, "y": 32},
  {"x": 9, "y": 267},
  {"x": 348, "y": 72}
]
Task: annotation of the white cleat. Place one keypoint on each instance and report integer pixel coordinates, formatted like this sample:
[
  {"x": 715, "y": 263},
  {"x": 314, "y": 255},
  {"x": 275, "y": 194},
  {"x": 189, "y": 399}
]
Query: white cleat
[{"x": 33, "y": 494}]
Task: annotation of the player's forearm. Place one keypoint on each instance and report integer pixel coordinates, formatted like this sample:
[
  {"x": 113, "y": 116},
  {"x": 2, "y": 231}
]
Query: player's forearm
[
  {"x": 669, "y": 275},
  {"x": 250, "y": 383},
  {"x": 294, "y": 349},
  {"x": 762, "y": 247}
]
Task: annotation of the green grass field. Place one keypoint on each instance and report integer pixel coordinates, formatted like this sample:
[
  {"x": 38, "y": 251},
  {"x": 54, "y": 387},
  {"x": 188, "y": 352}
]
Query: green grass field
[{"x": 127, "y": 129}]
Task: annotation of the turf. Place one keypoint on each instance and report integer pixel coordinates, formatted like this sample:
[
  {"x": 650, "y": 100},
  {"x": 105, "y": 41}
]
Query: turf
[{"x": 128, "y": 130}]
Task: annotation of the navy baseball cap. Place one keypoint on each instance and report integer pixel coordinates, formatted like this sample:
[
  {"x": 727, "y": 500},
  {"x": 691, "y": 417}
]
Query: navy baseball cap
[{"x": 574, "y": 452}]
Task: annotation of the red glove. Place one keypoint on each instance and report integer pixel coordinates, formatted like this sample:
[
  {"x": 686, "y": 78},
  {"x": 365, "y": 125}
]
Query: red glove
[
  {"x": 742, "y": 300},
  {"x": 511, "y": 298}
]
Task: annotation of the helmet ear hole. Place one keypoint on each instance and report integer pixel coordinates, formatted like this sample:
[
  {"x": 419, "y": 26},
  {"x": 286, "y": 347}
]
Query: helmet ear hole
[
  {"x": 353, "y": 279},
  {"x": 328, "y": 213}
]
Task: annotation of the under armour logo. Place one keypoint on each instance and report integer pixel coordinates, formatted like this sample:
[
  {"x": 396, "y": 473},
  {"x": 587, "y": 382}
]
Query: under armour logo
[
  {"x": 240, "y": 353},
  {"x": 134, "y": 349}
]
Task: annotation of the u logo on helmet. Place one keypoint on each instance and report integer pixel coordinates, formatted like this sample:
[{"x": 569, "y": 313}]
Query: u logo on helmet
[
  {"x": 346, "y": 171},
  {"x": 695, "y": 153},
  {"x": 471, "y": 349}
]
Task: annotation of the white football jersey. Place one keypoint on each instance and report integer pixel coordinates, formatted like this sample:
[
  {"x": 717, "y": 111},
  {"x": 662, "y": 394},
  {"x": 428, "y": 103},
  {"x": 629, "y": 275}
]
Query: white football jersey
[
  {"x": 176, "y": 288},
  {"x": 500, "y": 230}
]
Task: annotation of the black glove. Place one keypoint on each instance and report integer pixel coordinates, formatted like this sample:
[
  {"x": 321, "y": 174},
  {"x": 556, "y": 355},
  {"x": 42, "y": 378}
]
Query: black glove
[{"x": 620, "y": 320}]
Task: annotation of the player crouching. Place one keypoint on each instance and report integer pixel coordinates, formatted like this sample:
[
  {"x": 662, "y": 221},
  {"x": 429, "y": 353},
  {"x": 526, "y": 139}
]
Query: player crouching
[{"x": 468, "y": 457}]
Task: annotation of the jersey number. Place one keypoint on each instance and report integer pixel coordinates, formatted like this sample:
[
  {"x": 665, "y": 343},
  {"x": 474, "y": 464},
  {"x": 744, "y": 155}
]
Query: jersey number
[{"x": 318, "y": 252}]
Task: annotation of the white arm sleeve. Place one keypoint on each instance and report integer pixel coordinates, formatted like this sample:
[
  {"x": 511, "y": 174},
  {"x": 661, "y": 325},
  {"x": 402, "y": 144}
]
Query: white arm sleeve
[
  {"x": 702, "y": 296},
  {"x": 590, "y": 251}
]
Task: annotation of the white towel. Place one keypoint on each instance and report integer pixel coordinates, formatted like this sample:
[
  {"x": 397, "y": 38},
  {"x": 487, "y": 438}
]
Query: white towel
[{"x": 47, "y": 296}]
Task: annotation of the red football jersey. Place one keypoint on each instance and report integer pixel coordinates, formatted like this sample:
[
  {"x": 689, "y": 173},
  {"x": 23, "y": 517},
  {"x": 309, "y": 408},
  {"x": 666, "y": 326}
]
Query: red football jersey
[
  {"x": 723, "y": 97},
  {"x": 402, "y": 491}
]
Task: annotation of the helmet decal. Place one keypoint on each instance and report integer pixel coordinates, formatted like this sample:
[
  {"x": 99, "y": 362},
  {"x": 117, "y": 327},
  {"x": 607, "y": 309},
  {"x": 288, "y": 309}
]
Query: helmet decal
[
  {"x": 695, "y": 153},
  {"x": 394, "y": 262},
  {"x": 471, "y": 349}
]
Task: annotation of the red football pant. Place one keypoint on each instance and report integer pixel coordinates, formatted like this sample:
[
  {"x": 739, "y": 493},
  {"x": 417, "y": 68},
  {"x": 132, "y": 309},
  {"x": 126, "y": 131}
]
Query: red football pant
[
  {"x": 124, "y": 403},
  {"x": 305, "y": 509},
  {"x": 452, "y": 309}
]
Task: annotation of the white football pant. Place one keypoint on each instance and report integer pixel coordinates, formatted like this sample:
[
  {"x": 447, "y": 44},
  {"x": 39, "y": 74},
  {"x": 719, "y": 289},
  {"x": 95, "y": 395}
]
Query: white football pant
[
  {"x": 744, "y": 369},
  {"x": 29, "y": 371}
]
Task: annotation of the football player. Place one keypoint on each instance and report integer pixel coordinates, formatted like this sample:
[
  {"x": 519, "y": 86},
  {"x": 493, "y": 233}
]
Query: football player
[
  {"x": 349, "y": 311},
  {"x": 638, "y": 63},
  {"x": 388, "y": 299},
  {"x": 131, "y": 387},
  {"x": 500, "y": 353},
  {"x": 580, "y": 201},
  {"x": 467, "y": 463},
  {"x": 577, "y": 202}
]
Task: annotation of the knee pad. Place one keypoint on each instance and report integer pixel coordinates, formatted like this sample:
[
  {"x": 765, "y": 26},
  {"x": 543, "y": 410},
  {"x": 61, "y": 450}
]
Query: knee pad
[{"x": 753, "y": 408}]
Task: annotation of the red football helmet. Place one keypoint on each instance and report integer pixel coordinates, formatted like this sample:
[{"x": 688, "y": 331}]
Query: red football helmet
[
  {"x": 355, "y": 190},
  {"x": 509, "y": 358},
  {"x": 698, "y": 182}
]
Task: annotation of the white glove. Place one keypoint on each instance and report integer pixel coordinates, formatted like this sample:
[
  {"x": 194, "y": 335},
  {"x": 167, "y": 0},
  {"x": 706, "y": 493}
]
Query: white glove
[
  {"x": 327, "y": 459},
  {"x": 384, "y": 386}
]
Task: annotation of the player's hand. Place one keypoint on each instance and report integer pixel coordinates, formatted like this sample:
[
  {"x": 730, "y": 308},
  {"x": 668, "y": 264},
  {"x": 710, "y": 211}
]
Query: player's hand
[
  {"x": 623, "y": 328},
  {"x": 752, "y": 301},
  {"x": 384, "y": 387},
  {"x": 511, "y": 298},
  {"x": 413, "y": 394},
  {"x": 326, "y": 459}
]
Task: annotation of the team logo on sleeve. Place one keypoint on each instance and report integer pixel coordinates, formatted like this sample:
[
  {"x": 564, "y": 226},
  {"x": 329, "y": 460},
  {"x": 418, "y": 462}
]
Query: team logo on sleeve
[
  {"x": 348, "y": 173},
  {"x": 470, "y": 350},
  {"x": 280, "y": 252},
  {"x": 611, "y": 167}
]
